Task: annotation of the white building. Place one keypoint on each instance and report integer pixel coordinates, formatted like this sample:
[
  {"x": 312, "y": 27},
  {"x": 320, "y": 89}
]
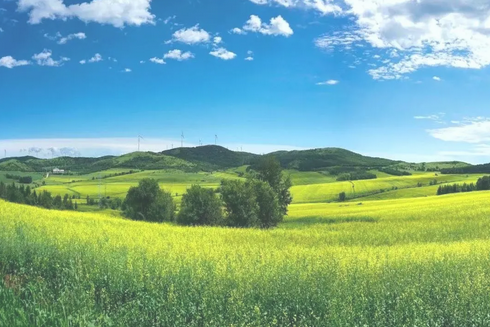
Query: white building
[{"x": 58, "y": 171}]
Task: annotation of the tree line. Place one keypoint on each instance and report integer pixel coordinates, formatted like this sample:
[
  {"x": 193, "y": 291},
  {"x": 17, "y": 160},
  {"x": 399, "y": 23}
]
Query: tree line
[
  {"x": 20, "y": 179},
  {"x": 260, "y": 201},
  {"x": 395, "y": 172},
  {"x": 355, "y": 176},
  {"x": 25, "y": 195},
  {"x": 483, "y": 184}
]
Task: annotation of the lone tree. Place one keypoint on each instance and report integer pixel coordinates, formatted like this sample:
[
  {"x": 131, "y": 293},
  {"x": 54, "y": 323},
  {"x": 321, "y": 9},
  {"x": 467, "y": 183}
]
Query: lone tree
[
  {"x": 200, "y": 206},
  {"x": 269, "y": 170},
  {"x": 149, "y": 203}
]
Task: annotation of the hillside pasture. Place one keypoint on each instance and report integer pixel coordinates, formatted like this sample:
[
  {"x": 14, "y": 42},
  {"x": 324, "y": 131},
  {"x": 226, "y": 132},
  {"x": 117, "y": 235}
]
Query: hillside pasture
[{"x": 330, "y": 191}]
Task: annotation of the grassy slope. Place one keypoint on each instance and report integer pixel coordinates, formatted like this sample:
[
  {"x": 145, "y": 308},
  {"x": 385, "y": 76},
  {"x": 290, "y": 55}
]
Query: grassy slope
[
  {"x": 173, "y": 181},
  {"x": 380, "y": 258},
  {"x": 308, "y": 186},
  {"x": 330, "y": 191}
]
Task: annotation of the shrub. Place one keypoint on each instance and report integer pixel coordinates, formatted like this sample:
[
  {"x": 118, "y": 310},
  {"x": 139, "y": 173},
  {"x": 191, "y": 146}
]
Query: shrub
[
  {"x": 149, "y": 203},
  {"x": 240, "y": 203},
  {"x": 200, "y": 206},
  {"x": 342, "y": 197}
]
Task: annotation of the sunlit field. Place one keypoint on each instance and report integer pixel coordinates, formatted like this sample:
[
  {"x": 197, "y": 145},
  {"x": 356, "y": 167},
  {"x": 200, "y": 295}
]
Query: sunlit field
[
  {"x": 308, "y": 187},
  {"x": 402, "y": 262},
  {"x": 359, "y": 189}
]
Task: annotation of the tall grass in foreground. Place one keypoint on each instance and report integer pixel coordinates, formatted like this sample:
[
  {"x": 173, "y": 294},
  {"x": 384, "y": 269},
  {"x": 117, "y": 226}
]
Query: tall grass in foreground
[{"x": 71, "y": 269}]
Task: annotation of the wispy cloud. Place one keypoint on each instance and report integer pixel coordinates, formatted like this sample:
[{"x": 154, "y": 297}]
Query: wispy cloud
[
  {"x": 469, "y": 131},
  {"x": 329, "y": 82},
  {"x": 95, "y": 147}
]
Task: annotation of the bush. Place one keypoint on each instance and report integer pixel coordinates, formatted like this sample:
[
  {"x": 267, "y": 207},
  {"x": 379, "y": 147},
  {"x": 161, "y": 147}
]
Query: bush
[
  {"x": 342, "y": 197},
  {"x": 269, "y": 212},
  {"x": 149, "y": 203},
  {"x": 269, "y": 170},
  {"x": 240, "y": 203},
  {"x": 200, "y": 206}
]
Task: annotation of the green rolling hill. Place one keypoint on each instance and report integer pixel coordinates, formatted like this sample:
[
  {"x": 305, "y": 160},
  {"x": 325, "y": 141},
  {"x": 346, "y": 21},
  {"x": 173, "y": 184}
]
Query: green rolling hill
[{"x": 212, "y": 158}]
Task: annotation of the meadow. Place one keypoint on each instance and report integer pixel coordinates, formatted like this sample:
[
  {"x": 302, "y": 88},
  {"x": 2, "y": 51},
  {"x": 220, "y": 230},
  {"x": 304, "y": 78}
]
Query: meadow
[
  {"x": 308, "y": 187},
  {"x": 408, "y": 262},
  {"x": 394, "y": 254}
]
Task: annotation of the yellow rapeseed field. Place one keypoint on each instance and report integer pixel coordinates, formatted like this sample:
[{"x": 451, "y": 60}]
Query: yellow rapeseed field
[{"x": 410, "y": 262}]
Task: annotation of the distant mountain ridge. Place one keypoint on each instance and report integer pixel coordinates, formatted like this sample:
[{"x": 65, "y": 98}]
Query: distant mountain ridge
[{"x": 207, "y": 158}]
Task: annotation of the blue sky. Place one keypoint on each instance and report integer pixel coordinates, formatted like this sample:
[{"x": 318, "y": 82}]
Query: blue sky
[{"x": 396, "y": 78}]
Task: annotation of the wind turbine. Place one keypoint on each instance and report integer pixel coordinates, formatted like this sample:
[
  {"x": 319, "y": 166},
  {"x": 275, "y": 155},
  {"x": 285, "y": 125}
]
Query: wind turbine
[
  {"x": 182, "y": 140},
  {"x": 215, "y": 139},
  {"x": 139, "y": 141}
]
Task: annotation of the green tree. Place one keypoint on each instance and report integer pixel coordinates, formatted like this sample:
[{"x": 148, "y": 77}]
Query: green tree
[
  {"x": 200, "y": 206},
  {"x": 240, "y": 203},
  {"x": 342, "y": 197},
  {"x": 269, "y": 211},
  {"x": 149, "y": 203},
  {"x": 269, "y": 170}
]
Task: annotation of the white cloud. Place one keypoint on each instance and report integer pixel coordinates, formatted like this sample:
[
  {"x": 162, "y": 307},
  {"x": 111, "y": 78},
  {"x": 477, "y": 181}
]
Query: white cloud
[
  {"x": 329, "y": 82},
  {"x": 80, "y": 36},
  {"x": 436, "y": 78},
  {"x": 476, "y": 131},
  {"x": 437, "y": 117},
  {"x": 418, "y": 34},
  {"x": 217, "y": 40},
  {"x": 479, "y": 150},
  {"x": 157, "y": 61},
  {"x": 117, "y": 13},
  {"x": 222, "y": 53},
  {"x": 95, "y": 147},
  {"x": 178, "y": 55},
  {"x": 237, "y": 30},
  {"x": 277, "y": 26},
  {"x": 169, "y": 19},
  {"x": 323, "y": 6},
  {"x": 344, "y": 40},
  {"x": 1, "y": 30},
  {"x": 10, "y": 62},
  {"x": 193, "y": 35},
  {"x": 96, "y": 58},
  {"x": 45, "y": 59},
  {"x": 250, "y": 54},
  {"x": 83, "y": 62},
  {"x": 127, "y": 70}
]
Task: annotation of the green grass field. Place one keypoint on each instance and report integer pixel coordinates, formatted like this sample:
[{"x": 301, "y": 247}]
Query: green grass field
[
  {"x": 308, "y": 187},
  {"x": 399, "y": 262},
  {"x": 330, "y": 191}
]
